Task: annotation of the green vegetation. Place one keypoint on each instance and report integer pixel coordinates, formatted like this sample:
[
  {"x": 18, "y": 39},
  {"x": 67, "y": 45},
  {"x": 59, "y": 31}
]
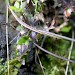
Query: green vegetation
[{"x": 26, "y": 53}]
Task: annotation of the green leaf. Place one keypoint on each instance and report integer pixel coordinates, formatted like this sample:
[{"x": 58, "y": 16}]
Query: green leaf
[
  {"x": 19, "y": 28},
  {"x": 16, "y": 9},
  {"x": 23, "y": 40},
  {"x": 11, "y": 1},
  {"x": 15, "y": 72},
  {"x": 13, "y": 8},
  {"x": 17, "y": 5},
  {"x": 14, "y": 61},
  {"x": 18, "y": 65},
  {"x": 66, "y": 29}
]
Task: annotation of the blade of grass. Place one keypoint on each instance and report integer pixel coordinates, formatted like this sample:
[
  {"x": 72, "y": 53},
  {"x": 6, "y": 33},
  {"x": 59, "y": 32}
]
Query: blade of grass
[
  {"x": 7, "y": 35},
  {"x": 70, "y": 51}
]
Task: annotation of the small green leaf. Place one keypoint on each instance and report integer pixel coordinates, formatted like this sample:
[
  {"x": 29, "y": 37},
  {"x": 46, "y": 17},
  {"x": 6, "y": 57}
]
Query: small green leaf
[
  {"x": 66, "y": 29},
  {"x": 23, "y": 40},
  {"x": 14, "y": 61},
  {"x": 19, "y": 10},
  {"x": 16, "y": 9},
  {"x": 17, "y": 5},
  {"x": 19, "y": 28},
  {"x": 11, "y": 1},
  {"x": 15, "y": 72},
  {"x": 18, "y": 65},
  {"x": 13, "y": 8}
]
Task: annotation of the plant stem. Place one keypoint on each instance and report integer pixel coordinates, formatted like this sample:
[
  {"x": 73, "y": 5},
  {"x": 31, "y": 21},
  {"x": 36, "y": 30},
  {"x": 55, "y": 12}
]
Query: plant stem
[
  {"x": 7, "y": 35},
  {"x": 70, "y": 51}
]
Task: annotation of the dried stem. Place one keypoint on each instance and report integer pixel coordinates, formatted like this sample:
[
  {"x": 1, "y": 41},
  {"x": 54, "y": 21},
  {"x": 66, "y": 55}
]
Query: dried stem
[
  {"x": 40, "y": 63},
  {"x": 52, "y": 54},
  {"x": 70, "y": 51},
  {"x": 7, "y": 35},
  {"x": 39, "y": 31}
]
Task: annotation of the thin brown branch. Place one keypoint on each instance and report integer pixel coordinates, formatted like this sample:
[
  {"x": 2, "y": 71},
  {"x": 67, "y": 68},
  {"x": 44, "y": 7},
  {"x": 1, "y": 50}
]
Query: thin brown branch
[
  {"x": 57, "y": 29},
  {"x": 39, "y": 31},
  {"x": 52, "y": 54}
]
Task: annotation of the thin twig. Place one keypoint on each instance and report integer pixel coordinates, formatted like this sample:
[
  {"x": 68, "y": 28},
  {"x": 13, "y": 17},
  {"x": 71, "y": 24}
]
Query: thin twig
[
  {"x": 42, "y": 32},
  {"x": 7, "y": 34},
  {"x": 70, "y": 51},
  {"x": 52, "y": 54},
  {"x": 40, "y": 63},
  {"x": 57, "y": 29},
  {"x": 38, "y": 30},
  {"x": 14, "y": 38}
]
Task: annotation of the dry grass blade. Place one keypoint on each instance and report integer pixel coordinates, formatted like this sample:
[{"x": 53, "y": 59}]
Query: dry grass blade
[
  {"x": 70, "y": 51},
  {"x": 7, "y": 35},
  {"x": 52, "y": 54},
  {"x": 39, "y": 31}
]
